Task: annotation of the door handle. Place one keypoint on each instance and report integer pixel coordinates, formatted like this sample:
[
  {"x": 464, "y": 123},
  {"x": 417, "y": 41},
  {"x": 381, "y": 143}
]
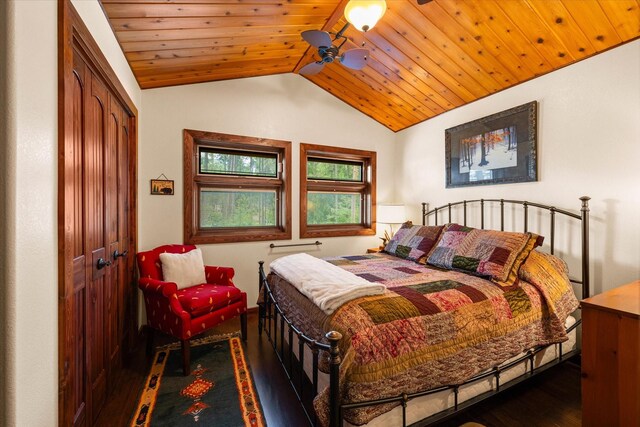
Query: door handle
[
  {"x": 117, "y": 254},
  {"x": 102, "y": 263}
]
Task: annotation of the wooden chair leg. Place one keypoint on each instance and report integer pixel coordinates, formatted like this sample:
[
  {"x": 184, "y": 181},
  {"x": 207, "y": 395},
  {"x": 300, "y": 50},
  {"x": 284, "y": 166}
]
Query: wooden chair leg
[
  {"x": 243, "y": 326},
  {"x": 150, "y": 336},
  {"x": 186, "y": 357}
]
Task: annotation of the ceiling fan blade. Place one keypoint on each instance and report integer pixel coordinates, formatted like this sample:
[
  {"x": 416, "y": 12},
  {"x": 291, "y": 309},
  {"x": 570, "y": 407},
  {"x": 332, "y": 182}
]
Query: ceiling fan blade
[
  {"x": 317, "y": 38},
  {"x": 355, "y": 58},
  {"x": 421, "y": 2},
  {"x": 311, "y": 68}
]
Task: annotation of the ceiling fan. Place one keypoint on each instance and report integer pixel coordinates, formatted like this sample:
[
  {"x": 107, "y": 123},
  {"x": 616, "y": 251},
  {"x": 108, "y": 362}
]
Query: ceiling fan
[{"x": 330, "y": 52}]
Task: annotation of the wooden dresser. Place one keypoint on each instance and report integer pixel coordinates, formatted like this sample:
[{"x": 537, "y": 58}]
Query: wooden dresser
[{"x": 611, "y": 358}]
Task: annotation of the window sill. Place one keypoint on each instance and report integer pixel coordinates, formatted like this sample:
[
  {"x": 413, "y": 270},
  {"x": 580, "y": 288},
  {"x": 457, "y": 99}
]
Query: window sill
[
  {"x": 336, "y": 231},
  {"x": 237, "y": 236}
]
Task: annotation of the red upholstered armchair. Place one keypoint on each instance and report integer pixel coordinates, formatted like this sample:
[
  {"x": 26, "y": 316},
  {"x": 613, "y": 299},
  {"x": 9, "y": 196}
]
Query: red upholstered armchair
[{"x": 185, "y": 313}]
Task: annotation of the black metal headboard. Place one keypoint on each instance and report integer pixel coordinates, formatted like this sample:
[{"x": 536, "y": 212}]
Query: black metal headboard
[{"x": 583, "y": 217}]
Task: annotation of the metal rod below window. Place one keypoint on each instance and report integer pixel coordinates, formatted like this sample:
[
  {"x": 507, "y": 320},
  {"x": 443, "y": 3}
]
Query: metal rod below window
[{"x": 316, "y": 243}]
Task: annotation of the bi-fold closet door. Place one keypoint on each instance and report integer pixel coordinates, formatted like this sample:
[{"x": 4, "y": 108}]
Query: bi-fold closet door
[{"x": 102, "y": 298}]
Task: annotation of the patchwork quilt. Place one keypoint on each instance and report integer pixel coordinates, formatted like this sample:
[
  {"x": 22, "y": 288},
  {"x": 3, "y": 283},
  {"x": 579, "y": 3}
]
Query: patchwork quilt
[{"x": 434, "y": 327}]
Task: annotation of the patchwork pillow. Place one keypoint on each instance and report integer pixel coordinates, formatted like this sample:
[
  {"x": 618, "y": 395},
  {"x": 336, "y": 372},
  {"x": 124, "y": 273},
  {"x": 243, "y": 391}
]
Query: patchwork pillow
[
  {"x": 413, "y": 242},
  {"x": 488, "y": 253},
  {"x": 185, "y": 270},
  {"x": 513, "y": 277}
]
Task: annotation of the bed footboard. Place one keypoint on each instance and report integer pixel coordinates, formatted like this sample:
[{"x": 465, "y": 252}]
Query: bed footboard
[{"x": 269, "y": 312}]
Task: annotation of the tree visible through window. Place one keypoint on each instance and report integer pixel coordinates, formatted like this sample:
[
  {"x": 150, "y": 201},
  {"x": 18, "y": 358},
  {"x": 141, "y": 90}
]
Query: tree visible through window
[
  {"x": 225, "y": 208},
  {"x": 237, "y": 188},
  {"x": 337, "y": 191},
  {"x": 232, "y": 162}
]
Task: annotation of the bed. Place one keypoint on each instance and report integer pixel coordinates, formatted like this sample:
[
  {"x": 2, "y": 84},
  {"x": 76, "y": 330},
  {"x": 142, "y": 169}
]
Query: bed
[{"x": 464, "y": 313}]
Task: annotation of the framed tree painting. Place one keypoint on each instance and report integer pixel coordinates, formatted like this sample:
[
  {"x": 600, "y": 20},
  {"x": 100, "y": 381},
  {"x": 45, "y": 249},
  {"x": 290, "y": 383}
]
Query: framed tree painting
[
  {"x": 162, "y": 187},
  {"x": 497, "y": 149}
]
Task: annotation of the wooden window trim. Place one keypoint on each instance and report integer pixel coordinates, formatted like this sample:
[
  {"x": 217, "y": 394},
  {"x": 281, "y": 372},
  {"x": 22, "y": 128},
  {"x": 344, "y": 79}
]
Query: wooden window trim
[
  {"x": 193, "y": 182},
  {"x": 367, "y": 187}
]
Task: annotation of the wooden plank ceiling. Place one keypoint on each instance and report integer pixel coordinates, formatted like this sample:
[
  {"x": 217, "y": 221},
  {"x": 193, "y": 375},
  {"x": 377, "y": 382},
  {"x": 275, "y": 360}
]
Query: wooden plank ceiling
[{"x": 424, "y": 60}]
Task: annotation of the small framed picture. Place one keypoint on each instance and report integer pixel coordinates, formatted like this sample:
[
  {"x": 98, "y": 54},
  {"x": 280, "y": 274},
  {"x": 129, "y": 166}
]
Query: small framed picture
[{"x": 162, "y": 187}]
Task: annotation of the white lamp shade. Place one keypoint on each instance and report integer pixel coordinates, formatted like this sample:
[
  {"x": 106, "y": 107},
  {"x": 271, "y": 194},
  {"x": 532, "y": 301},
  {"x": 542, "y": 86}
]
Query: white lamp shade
[
  {"x": 364, "y": 14},
  {"x": 391, "y": 214}
]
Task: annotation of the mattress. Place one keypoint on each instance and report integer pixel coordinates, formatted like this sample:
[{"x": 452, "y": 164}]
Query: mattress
[{"x": 470, "y": 325}]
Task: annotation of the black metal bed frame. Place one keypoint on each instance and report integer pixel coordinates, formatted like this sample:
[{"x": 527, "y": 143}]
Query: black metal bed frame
[{"x": 270, "y": 311}]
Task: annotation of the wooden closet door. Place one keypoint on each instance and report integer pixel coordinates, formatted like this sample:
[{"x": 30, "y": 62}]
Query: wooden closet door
[
  {"x": 117, "y": 234},
  {"x": 75, "y": 302},
  {"x": 96, "y": 217},
  {"x": 101, "y": 153},
  {"x": 127, "y": 283}
]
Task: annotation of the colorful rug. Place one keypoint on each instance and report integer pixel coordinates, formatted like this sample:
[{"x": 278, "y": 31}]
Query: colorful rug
[{"x": 218, "y": 392}]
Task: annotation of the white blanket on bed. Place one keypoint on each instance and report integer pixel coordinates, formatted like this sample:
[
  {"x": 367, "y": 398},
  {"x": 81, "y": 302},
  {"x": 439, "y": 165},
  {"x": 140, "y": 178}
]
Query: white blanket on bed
[{"x": 327, "y": 285}]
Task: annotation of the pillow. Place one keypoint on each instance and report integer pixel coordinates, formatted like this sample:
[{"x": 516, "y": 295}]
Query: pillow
[
  {"x": 413, "y": 242},
  {"x": 185, "y": 270},
  {"x": 487, "y": 253},
  {"x": 543, "y": 265},
  {"x": 512, "y": 278}
]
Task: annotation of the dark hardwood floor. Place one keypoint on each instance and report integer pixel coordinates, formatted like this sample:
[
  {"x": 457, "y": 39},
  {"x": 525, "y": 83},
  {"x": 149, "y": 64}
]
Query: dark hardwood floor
[{"x": 551, "y": 399}]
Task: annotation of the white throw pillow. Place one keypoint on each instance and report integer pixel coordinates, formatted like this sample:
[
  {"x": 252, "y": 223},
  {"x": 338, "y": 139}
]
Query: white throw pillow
[{"x": 185, "y": 270}]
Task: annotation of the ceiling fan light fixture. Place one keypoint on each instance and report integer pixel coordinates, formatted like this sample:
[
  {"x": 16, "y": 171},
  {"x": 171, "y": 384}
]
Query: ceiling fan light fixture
[{"x": 364, "y": 14}]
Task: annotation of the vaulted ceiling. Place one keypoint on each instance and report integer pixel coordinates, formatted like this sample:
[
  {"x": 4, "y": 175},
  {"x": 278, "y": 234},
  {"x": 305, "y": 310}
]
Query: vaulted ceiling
[{"x": 423, "y": 61}]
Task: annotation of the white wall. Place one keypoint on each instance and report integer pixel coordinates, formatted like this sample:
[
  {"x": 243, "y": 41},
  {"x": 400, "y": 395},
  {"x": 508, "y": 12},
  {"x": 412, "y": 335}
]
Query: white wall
[
  {"x": 95, "y": 20},
  {"x": 588, "y": 144},
  {"x": 285, "y": 107},
  {"x": 29, "y": 336}
]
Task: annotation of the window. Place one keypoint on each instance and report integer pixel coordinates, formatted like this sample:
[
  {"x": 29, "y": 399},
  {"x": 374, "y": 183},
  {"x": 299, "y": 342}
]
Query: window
[
  {"x": 337, "y": 191},
  {"x": 236, "y": 188}
]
